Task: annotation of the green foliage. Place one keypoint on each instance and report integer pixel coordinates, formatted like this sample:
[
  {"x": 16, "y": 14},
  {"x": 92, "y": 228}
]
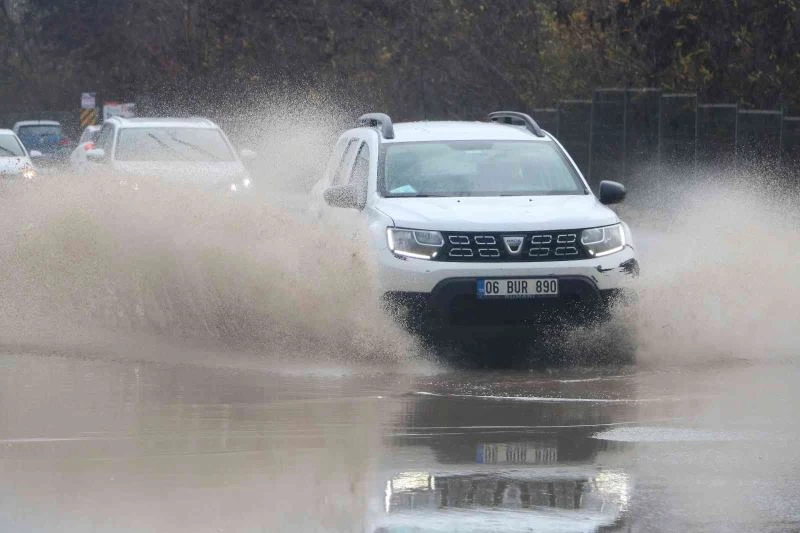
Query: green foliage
[{"x": 415, "y": 59}]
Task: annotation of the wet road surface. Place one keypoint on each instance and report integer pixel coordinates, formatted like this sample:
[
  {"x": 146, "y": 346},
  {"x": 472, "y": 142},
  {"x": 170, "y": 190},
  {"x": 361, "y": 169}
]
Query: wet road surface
[{"x": 100, "y": 445}]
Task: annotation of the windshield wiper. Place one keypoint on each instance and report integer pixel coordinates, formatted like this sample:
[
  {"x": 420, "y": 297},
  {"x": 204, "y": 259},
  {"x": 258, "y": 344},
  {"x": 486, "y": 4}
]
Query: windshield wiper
[
  {"x": 168, "y": 147},
  {"x": 194, "y": 147},
  {"x": 9, "y": 152}
]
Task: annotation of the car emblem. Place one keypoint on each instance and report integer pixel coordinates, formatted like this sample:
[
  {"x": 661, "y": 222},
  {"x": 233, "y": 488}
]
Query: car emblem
[{"x": 513, "y": 244}]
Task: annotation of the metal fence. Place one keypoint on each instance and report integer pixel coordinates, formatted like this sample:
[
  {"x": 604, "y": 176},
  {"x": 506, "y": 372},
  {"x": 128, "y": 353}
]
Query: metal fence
[
  {"x": 621, "y": 134},
  {"x": 573, "y": 118},
  {"x": 716, "y": 134},
  {"x": 790, "y": 144}
]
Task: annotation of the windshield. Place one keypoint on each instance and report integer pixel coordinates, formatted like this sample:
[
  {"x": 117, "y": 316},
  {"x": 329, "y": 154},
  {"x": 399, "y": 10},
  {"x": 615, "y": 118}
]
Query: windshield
[
  {"x": 172, "y": 144},
  {"x": 477, "y": 168},
  {"x": 10, "y": 147},
  {"x": 40, "y": 137}
]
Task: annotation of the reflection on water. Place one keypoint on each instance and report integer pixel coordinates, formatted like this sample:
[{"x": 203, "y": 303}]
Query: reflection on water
[
  {"x": 606, "y": 490},
  {"x": 524, "y": 466},
  {"x": 517, "y": 453}
]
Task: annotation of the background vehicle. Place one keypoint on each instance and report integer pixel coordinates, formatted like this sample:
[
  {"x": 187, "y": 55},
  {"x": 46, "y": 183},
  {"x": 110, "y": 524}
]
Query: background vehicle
[
  {"x": 15, "y": 162},
  {"x": 78, "y": 158},
  {"x": 190, "y": 150},
  {"x": 481, "y": 226},
  {"x": 46, "y": 137}
]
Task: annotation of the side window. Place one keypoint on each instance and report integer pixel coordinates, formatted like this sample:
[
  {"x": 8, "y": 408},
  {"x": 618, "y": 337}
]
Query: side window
[
  {"x": 334, "y": 161},
  {"x": 359, "y": 177},
  {"x": 345, "y": 164},
  {"x": 104, "y": 139}
]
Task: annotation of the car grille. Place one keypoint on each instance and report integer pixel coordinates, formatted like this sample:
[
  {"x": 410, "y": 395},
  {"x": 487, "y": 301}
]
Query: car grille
[{"x": 501, "y": 247}]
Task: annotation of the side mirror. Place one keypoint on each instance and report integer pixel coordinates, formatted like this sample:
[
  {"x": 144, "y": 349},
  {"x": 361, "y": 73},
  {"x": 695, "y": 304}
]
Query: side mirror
[
  {"x": 341, "y": 196},
  {"x": 612, "y": 192},
  {"x": 96, "y": 155},
  {"x": 35, "y": 153},
  {"x": 247, "y": 154}
]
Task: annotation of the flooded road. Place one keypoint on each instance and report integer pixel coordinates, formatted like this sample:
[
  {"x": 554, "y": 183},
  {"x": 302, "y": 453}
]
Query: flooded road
[{"x": 108, "y": 445}]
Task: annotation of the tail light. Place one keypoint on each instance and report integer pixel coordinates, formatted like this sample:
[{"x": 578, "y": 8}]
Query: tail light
[
  {"x": 88, "y": 146},
  {"x": 63, "y": 141}
]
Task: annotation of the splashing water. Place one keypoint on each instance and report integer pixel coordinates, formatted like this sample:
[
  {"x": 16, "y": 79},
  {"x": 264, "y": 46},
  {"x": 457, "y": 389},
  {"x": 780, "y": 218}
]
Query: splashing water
[
  {"x": 82, "y": 256},
  {"x": 719, "y": 271}
]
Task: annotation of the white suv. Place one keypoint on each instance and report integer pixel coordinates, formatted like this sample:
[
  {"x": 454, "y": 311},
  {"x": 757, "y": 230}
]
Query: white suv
[{"x": 481, "y": 224}]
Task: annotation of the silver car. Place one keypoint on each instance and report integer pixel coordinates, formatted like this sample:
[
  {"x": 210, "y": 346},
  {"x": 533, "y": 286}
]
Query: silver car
[{"x": 193, "y": 151}]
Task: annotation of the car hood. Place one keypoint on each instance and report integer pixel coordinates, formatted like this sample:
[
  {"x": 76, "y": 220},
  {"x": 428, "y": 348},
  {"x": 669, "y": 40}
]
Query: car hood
[
  {"x": 198, "y": 174},
  {"x": 11, "y": 166},
  {"x": 504, "y": 213}
]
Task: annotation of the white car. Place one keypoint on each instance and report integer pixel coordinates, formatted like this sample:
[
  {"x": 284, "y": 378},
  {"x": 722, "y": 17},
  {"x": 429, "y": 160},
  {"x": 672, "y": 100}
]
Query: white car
[
  {"x": 15, "y": 161},
  {"x": 480, "y": 224},
  {"x": 192, "y": 151},
  {"x": 77, "y": 158}
]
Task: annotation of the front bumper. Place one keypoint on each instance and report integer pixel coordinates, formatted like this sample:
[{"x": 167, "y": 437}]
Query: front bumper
[
  {"x": 428, "y": 294},
  {"x": 453, "y": 303},
  {"x": 396, "y": 274}
]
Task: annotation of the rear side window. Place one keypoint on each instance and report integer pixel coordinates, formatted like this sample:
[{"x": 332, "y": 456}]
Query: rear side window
[{"x": 104, "y": 139}]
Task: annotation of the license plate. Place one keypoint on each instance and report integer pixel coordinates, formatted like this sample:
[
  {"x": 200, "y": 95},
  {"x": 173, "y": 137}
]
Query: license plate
[{"x": 517, "y": 288}]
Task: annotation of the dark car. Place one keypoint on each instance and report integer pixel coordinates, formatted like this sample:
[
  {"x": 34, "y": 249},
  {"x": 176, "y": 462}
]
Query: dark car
[{"x": 46, "y": 137}]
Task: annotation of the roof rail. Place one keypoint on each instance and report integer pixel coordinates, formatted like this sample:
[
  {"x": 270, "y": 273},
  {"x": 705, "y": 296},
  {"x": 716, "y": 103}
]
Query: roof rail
[
  {"x": 383, "y": 120},
  {"x": 515, "y": 118}
]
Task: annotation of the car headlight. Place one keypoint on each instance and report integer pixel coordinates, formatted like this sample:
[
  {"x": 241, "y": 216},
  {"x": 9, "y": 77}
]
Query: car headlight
[
  {"x": 603, "y": 241},
  {"x": 245, "y": 184},
  {"x": 419, "y": 244},
  {"x": 29, "y": 173}
]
